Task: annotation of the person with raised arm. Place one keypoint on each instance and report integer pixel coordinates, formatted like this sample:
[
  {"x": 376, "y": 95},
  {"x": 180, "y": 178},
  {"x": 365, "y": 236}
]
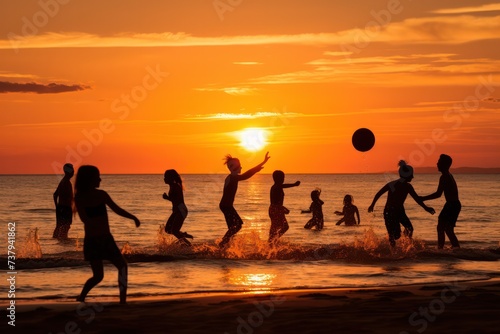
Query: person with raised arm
[{"x": 226, "y": 204}]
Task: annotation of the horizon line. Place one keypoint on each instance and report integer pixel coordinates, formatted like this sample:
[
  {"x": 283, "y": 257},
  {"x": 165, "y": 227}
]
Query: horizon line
[{"x": 291, "y": 173}]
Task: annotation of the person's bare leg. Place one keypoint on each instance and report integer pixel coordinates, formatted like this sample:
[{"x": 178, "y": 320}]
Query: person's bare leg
[
  {"x": 98, "y": 274},
  {"x": 122, "y": 267}
]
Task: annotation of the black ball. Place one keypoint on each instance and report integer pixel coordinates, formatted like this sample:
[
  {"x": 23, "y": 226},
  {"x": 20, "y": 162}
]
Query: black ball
[{"x": 363, "y": 139}]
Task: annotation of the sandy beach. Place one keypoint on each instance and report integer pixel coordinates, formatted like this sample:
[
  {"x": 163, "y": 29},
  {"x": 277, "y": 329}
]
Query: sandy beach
[{"x": 451, "y": 307}]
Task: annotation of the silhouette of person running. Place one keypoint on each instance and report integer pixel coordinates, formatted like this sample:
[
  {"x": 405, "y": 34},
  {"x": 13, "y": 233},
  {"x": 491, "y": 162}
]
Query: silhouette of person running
[
  {"x": 449, "y": 214},
  {"x": 179, "y": 209},
  {"x": 348, "y": 211},
  {"x": 394, "y": 211},
  {"x": 99, "y": 244},
  {"x": 63, "y": 199},
  {"x": 233, "y": 220},
  {"x": 317, "y": 211},
  {"x": 277, "y": 211}
]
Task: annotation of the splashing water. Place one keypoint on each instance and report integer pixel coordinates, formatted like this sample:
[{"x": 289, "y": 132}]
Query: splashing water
[
  {"x": 168, "y": 244},
  {"x": 366, "y": 248},
  {"x": 249, "y": 246},
  {"x": 31, "y": 247},
  {"x": 371, "y": 246}
]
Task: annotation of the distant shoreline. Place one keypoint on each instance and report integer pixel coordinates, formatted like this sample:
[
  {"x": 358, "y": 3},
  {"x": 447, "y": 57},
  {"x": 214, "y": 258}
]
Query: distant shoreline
[{"x": 459, "y": 170}]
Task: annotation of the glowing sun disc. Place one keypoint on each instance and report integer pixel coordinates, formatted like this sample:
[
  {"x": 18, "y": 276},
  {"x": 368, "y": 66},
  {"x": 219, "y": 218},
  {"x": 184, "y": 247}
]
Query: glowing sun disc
[{"x": 253, "y": 139}]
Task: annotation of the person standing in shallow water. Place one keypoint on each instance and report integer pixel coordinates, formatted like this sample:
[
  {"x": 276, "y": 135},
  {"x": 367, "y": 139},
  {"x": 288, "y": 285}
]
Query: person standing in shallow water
[
  {"x": 98, "y": 243},
  {"x": 316, "y": 208},
  {"x": 449, "y": 214},
  {"x": 232, "y": 218},
  {"x": 277, "y": 211},
  {"x": 394, "y": 211},
  {"x": 348, "y": 211},
  {"x": 63, "y": 200},
  {"x": 179, "y": 209}
]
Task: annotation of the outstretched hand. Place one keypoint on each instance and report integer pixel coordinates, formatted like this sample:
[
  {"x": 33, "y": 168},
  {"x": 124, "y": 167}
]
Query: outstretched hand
[
  {"x": 137, "y": 222},
  {"x": 430, "y": 210},
  {"x": 370, "y": 208},
  {"x": 297, "y": 183},
  {"x": 267, "y": 157}
]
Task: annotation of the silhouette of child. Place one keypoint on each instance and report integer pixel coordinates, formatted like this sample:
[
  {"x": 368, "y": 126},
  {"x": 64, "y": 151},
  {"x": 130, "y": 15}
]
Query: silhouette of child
[
  {"x": 451, "y": 209},
  {"x": 394, "y": 211},
  {"x": 63, "y": 199},
  {"x": 317, "y": 211},
  {"x": 179, "y": 209},
  {"x": 348, "y": 212},
  {"x": 233, "y": 220},
  {"x": 277, "y": 211},
  {"x": 99, "y": 244}
]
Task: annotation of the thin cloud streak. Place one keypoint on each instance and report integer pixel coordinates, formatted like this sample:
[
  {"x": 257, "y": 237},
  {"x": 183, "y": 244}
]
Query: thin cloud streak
[
  {"x": 235, "y": 116},
  {"x": 247, "y": 63},
  {"x": 235, "y": 91},
  {"x": 431, "y": 30},
  {"x": 412, "y": 70},
  {"x": 10, "y": 75},
  {"x": 493, "y": 7}
]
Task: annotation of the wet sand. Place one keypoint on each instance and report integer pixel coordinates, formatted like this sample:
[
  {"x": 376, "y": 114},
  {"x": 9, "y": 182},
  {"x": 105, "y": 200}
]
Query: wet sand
[{"x": 448, "y": 307}]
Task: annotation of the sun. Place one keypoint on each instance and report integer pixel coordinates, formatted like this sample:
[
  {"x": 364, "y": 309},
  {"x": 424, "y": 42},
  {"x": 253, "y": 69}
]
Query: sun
[{"x": 253, "y": 139}]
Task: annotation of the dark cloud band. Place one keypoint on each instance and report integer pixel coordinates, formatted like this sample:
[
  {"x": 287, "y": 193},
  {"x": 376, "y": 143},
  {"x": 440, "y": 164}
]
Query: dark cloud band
[{"x": 32, "y": 87}]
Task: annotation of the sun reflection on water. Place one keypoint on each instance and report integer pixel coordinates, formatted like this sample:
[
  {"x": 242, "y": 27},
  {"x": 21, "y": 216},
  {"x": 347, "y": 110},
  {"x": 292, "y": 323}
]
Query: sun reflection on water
[{"x": 252, "y": 282}]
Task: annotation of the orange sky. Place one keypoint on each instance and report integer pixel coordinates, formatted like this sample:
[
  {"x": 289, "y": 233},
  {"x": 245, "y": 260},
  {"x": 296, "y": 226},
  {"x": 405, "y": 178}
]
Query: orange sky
[{"x": 139, "y": 87}]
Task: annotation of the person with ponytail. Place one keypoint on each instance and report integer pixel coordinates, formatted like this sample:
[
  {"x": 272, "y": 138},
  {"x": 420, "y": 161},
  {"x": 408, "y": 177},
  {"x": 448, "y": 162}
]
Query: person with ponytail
[
  {"x": 179, "y": 209},
  {"x": 99, "y": 244},
  {"x": 226, "y": 205},
  {"x": 394, "y": 211}
]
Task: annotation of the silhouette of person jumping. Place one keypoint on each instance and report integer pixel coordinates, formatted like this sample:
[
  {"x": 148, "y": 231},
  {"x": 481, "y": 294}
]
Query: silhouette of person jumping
[
  {"x": 99, "y": 244},
  {"x": 394, "y": 211},
  {"x": 277, "y": 211},
  {"x": 348, "y": 211},
  {"x": 449, "y": 214},
  {"x": 233, "y": 220},
  {"x": 179, "y": 209},
  {"x": 317, "y": 211},
  {"x": 63, "y": 199}
]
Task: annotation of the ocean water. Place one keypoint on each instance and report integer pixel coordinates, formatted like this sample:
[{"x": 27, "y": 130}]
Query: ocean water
[{"x": 338, "y": 256}]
